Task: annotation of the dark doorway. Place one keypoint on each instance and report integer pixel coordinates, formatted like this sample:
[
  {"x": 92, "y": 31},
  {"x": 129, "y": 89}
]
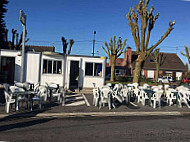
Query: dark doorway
[
  {"x": 74, "y": 74},
  {"x": 7, "y": 70}
]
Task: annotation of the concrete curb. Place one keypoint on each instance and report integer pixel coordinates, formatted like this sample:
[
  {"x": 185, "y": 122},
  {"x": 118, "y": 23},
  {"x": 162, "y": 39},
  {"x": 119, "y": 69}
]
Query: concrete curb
[{"x": 95, "y": 114}]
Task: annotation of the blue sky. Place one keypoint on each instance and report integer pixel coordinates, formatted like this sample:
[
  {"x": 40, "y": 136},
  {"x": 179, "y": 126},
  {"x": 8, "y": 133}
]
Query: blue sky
[{"x": 48, "y": 21}]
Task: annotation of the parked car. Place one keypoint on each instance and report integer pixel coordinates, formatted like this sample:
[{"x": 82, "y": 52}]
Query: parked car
[
  {"x": 165, "y": 79},
  {"x": 186, "y": 80}
]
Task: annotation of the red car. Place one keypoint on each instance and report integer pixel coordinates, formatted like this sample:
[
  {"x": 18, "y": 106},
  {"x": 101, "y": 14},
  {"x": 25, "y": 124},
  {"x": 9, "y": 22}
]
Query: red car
[{"x": 186, "y": 80}]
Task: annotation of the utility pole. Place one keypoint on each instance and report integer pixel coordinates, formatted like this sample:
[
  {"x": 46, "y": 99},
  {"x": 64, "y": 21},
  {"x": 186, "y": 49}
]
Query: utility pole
[
  {"x": 22, "y": 19},
  {"x": 94, "y": 42}
]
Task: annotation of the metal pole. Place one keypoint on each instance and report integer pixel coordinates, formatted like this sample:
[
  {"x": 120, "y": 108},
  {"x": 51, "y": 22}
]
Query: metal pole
[
  {"x": 23, "y": 54},
  {"x": 94, "y": 42}
]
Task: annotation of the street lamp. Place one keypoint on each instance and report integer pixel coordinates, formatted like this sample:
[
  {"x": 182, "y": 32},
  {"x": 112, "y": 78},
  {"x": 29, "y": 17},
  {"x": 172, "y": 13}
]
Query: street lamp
[
  {"x": 94, "y": 42},
  {"x": 22, "y": 18}
]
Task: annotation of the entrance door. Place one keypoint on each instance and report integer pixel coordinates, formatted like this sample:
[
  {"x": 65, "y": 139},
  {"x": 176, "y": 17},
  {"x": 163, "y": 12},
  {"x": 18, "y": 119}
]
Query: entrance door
[
  {"x": 7, "y": 70},
  {"x": 74, "y": 74}
]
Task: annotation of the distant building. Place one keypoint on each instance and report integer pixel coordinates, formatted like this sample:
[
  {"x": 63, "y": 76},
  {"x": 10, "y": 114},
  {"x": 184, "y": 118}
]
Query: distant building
[
  {"x": 172, "y": 66},
  {"x": 40, "y": 48}
]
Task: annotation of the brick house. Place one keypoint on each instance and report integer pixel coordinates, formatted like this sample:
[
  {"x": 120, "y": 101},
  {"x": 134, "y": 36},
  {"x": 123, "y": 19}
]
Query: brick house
[{"x": 172, "y": 66}]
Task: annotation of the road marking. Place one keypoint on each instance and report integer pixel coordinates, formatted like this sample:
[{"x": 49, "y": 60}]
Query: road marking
[
  {"x": 78, "y": 99},
  {"x": 86, "y": 100},
  {"x": 133, "y": 104},
  {"x": 76, "y": 103}
]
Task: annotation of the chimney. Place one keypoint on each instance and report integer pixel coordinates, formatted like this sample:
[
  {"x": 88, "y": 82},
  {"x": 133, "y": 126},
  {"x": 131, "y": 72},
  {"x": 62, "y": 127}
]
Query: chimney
[
  {"x": 125, "y": 54},
  {"x": 129, "y": 57}
]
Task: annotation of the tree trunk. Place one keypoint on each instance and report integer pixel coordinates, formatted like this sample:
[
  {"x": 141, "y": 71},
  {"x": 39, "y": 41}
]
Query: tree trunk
[
  {"x": 112, "y": 69},
  {"x": 157, "y": 72},
  {"x": 136, "y": 77}
]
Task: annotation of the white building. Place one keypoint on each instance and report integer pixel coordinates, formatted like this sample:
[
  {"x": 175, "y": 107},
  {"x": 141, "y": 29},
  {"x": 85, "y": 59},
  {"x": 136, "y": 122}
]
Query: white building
[{"x": 71, "y": 71}]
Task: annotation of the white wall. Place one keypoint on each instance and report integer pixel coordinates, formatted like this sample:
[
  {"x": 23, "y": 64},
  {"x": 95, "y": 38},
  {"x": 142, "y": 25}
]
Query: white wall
[
  {"x": 52, "y": 78},
  {"x": 33, "y": 67},
  {"x": 86, "y": 81}
]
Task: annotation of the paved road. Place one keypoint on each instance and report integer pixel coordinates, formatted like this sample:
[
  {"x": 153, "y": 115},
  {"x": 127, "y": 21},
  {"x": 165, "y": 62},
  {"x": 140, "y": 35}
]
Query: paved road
[{"x": 82, "y": 129}]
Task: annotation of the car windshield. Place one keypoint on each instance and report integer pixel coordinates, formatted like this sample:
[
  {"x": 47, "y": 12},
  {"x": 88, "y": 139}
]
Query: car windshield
[{"x": 188, "y": 78}]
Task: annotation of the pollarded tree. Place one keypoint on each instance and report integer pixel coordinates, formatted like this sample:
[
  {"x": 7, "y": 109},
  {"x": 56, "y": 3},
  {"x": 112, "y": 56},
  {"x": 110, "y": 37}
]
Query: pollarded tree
[
  {"x": 114, "y": 50},
  {"x": 65, "y": 43},
  {"x": 159, "y": 60},
  {"x": 142, "y": 36},
  {"x": 3, "y": 10},
  {"x": 71, "y": 42},
  {"x": 187, "y": 53},
  {"x": 18, "y": 45}
]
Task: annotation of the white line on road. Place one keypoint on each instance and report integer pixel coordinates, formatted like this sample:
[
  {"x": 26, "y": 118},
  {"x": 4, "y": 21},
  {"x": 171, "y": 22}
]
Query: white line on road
[
  {"x": 87, "y": 103},
  {"x": 133, "y": 104}
]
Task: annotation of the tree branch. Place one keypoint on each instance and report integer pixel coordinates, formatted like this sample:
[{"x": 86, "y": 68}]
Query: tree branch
[{"x": 171, "y": 24}]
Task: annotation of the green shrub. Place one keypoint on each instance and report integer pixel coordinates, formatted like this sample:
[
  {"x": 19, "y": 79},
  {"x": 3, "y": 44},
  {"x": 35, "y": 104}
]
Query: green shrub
[{"x": 124, "y": 78}]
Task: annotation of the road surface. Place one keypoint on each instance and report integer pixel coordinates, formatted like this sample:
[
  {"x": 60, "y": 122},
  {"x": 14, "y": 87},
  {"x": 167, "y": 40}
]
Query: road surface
[{"x": 136, "y": 128}]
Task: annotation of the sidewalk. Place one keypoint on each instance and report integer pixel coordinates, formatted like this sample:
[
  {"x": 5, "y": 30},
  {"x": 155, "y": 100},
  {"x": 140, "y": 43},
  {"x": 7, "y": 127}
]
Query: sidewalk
[{"x": 133, "y": 109}]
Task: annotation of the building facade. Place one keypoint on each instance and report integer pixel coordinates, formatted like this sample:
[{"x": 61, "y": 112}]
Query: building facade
[{"x": 70, "y": 71}]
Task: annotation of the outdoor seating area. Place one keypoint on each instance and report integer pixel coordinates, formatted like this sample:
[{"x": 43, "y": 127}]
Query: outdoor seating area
[
  {"x": 153, "y": 96},
  {"x": 29, "y": 94}
]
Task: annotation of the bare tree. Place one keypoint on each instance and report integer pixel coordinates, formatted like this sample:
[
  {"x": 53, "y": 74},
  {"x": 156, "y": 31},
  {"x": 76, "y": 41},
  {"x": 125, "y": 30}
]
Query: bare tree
[
  {"x": 71, "y": 42},
  {"x": 114, "y": 50},
  {"x": 147, "y": 24},
  {"x": 13, "y": 39},
  {"x": 18, "y": 44},
  {"x": 159, "y": 59},
  {"x": 65, "y": 43},
  {"x": 187, "y": 53}
]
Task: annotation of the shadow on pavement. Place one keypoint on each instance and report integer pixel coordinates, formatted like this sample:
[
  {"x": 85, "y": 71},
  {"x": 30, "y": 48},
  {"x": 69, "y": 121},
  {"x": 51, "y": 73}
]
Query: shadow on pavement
[
  {"x": 28, "y": 114},
  {"x": 24, "y": 124}
]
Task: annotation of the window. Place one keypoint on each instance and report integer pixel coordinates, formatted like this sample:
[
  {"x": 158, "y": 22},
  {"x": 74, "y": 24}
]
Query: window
[
  {"x": 50, "y": 67},
  {"x": 93, "y": 69},
  {"x": 89, "y": 69},
  {"x": 98, "y": 69}
]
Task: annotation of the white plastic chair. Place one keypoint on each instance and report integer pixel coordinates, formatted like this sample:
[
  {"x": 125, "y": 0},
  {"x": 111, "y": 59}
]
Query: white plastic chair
[
  {"x": 143, "y": 97},
  {"x": 183, "y": 98},
  {"x": 43, "y": 93},
  {"x": 37, "y": 97},
  {"x": 117, "y": 92},
  {"x": 171, "y": 96},
  {"x": 136, "y": 85},
  {"x": 57, "y": 95},
  {"x": 146, "y": 86},
  {"x": 96, "y": 96},
  {"x": 105, "y": 97},
  {"x": 125, "y": 95},
  {"x": 14, "y": 89},
  {"x": 156, "y": 98},
  {"x": 136, "y": 91},
  {"x": 9, "y": 101}
]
